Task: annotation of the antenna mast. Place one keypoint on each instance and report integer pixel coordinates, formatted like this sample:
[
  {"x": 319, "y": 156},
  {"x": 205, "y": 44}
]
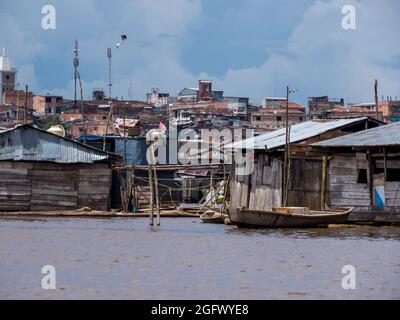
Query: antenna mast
[
  {"x": 109, "y": 72},
  {"x": 75, "y": 62}
]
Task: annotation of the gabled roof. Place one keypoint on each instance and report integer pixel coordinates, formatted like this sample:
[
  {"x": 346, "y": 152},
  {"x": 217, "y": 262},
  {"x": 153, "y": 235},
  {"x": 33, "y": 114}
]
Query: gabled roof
[
  {"x": 188, "y": 92},
  {"x": 387, "y": 135},
  {"x": 298, "y": 132},
  {"x": 27, "y": 143}
]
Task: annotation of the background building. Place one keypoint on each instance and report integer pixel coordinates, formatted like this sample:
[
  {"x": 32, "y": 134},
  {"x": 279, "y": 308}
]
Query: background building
[
  {"x": 157, "y": 98},
  {"x": 7, "y": 74},
  {"x": 48, "y": 105}
]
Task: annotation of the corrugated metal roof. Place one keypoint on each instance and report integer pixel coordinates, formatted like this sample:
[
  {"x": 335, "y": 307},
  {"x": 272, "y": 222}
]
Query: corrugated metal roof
[
  {"x": 26, "y": 143},
  {"x": 298, "y": 132},
  {"x": 388, "y": 135}
]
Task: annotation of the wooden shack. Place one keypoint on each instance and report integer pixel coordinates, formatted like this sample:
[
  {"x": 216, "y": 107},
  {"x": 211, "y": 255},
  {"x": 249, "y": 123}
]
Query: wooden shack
[
  {"x": 42, "y": 171},
  {"x": 263, "y": 189},
  {"x": 364, "y": 172}
]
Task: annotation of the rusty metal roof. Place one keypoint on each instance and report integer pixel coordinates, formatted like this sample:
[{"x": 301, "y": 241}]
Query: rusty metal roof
[
  {"x": 298, "y": 132},
  {"x": 27, "y": 143},
  {"x": 388, "y": 135}
]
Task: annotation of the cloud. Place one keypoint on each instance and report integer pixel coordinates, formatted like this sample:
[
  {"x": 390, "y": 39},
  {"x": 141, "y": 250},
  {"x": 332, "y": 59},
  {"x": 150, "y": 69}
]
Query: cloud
[
  {"x": 304, "y": 47},
  {"x": 321, "y": 58}
]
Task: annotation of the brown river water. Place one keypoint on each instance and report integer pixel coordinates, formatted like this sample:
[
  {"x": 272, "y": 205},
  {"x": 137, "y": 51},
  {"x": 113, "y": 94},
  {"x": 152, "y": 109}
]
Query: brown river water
[{"x": 122, "y": 258}]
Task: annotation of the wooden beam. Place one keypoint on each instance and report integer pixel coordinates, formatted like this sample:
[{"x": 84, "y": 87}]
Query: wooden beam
[{"x": 323, "y": 182}]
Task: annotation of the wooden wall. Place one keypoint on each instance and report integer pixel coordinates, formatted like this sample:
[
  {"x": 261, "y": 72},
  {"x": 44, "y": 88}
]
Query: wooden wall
[
  {"x": 40, "y": 186},
  {"x": 392, "y": 195},
  {"x": 261, "y": 190},
  {"x": 305, "y": 184},
  {"x": 15, "y": 186},
  {"x": 344, "y": 189}
]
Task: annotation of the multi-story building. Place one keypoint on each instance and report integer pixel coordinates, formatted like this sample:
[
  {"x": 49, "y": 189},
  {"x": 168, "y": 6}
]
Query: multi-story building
[
  {"x": 390, "y": 110},
  {"x": 12, "y": 114},
  {"x": 238, "y": 104},
  {"x": 320, "y": 107},
  {"x": 275, "y": 118},
  {"x": 273, "y": 102},
  {"x": 157, "y": 98},
  {"x": 48, "y": 105},
  {"x": 18, "y": 97},
  {"x": 204, "y": 93},
  {"x": 272, "y": 114}
]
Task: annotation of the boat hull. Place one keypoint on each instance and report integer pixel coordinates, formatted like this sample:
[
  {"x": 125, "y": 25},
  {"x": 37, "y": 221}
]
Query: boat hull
[{"x": 271, "y": 219}]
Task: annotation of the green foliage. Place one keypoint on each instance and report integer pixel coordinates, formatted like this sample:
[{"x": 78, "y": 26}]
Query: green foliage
[{"x": 52, "y": 122}]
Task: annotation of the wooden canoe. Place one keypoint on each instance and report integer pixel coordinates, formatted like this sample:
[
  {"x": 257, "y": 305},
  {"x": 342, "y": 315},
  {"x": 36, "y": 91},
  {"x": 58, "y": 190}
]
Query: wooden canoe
[{"x": 279, "y": 219}]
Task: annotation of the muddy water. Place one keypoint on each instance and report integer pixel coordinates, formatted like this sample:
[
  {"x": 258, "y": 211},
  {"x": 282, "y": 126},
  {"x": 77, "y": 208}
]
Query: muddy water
[{"x": 185, "y": 259}]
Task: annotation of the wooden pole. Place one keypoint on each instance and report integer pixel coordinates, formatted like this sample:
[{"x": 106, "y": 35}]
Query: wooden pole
[
  {"x": 157, "y": 195},
  {"x": 323, "y": 181},
  {"x": 288, "y": 169},
  {"x": 83, "y": 111},
  {"x": 124, "y": 117},
  {"x": 125, "y": 160},
  {"x": 150, "y": 169},
  {"x": 376, "y": 99},
  {"x": 26, "y": 102},
  {"x": 212, "y": 182},
  {"x": 285, "y": 175},
  {"x": 370, "y": 178},
  {"x": 134, "y": 187},
  {"x": 226, "y": 192},
  {"x": 107, "y": 125},
  {"x": 385, "y": 162}
]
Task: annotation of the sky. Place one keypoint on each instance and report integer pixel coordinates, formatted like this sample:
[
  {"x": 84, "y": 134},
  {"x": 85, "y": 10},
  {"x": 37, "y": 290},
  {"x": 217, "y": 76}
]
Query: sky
[{"x": 251, "y": 48}]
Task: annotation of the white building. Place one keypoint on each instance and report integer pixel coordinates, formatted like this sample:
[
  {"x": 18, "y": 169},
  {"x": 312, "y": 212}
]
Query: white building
[{"x": 7, "y": 74}]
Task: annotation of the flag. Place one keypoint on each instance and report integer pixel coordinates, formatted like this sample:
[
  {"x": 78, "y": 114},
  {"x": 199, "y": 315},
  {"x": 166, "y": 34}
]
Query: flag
[{"x": 163, "y": 127}]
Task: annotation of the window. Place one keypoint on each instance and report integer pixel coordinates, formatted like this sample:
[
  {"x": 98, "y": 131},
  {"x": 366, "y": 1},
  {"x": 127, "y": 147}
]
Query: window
[
  {"x": 393, "y": 175},
  {"x": 258, "y": 118},
  {"x": 278, "y": 118},
  {"x": 362, "y": 176}
]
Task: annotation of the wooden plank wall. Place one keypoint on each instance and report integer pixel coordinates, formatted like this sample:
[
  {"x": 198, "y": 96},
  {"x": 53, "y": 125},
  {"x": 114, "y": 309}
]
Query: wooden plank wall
[
  {"x": 94, "y": 187},
  {"x": 305, "y": 184},
  {"x": 344, "y": 189},
  {"x": 392, "y": 195},
  {"x": 52, "y": 187},
  {"x": 266, "y": 185},
  {"x": 239, "y": 190},
  {"x": 15, "y": 186}
]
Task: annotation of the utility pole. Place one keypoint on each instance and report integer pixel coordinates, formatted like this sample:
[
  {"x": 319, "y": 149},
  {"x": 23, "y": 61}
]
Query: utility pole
[
  {"x": 26, "y": 102},
  {"x": 376, "y": 99},
  {"x": 286, "y": 148},
  {"x": 75, "y": 62}
]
